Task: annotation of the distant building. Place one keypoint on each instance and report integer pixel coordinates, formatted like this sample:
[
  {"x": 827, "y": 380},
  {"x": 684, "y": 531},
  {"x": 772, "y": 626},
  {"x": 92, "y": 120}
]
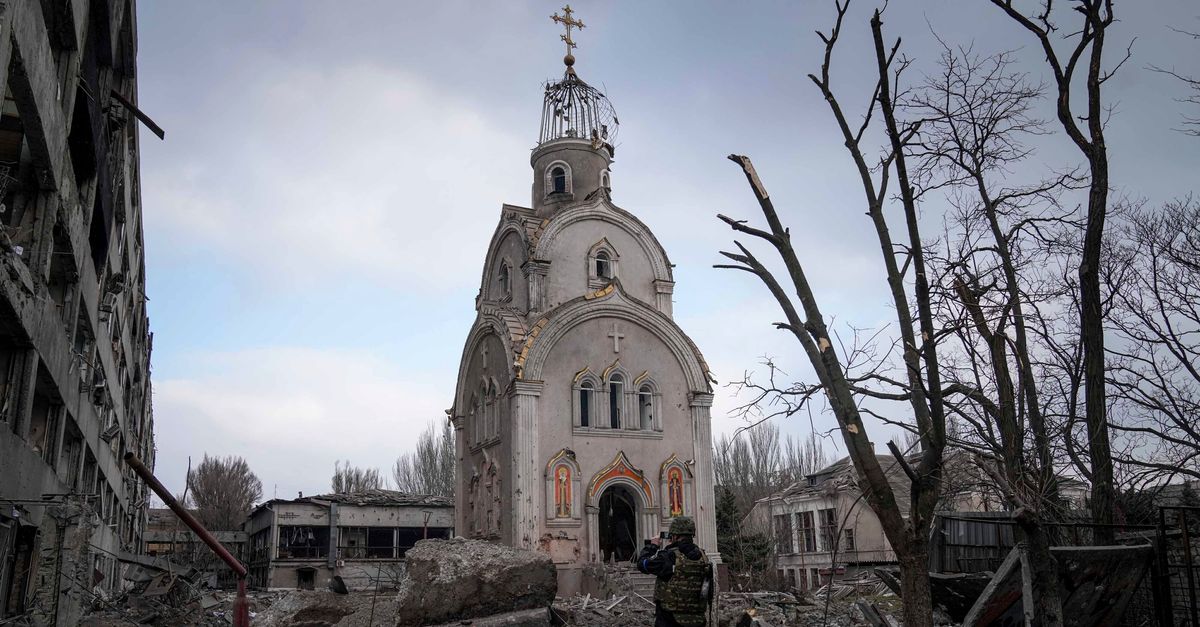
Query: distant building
[
  {"x": 74, "y": 337},
  {"x": 805, "y": 519},
  {"x": 302, "y": 543},
  {"x": 825, "y": 530}
]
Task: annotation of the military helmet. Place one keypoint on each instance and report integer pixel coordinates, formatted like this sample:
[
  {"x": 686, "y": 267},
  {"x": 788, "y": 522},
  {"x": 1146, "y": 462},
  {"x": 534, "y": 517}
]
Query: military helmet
[{"x": 682, "y": 526}]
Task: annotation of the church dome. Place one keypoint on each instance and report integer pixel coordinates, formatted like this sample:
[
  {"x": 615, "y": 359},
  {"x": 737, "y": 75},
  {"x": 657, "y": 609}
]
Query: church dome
[{"x": 574, "y": 109}]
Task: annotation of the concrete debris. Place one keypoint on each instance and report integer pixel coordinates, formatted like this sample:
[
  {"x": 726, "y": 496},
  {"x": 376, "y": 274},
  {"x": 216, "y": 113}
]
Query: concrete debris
[
  {"x": 324, "y": 608},
  {"x": 458, "y": 579},
  {"x": 760, "y": 609},
  {"x": 182, "y": 605},
  {"x": 604, "y": 612}
]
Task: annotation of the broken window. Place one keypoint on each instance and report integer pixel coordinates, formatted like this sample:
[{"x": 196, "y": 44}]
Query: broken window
[
  {"x": 352, "y": 542},
  {"x": 408, "y": 536},
  {"x": 366, "y": 542},
  {"x": 829, "y": 534},
  {"x": 88, "y": 479},
  {"x": 10, "y": 372},
  {"x": 18, "y": 187},
  {"x": 303, "y": 542},
  {"x": 63, "y": 276},
  {"x": 848, "y": 540},
  {"x": 783, "y": 534},
  {"x": 381, "y": 543},
  {"x": 72, "y": 453},
  {"x": 808, "y": 538}
]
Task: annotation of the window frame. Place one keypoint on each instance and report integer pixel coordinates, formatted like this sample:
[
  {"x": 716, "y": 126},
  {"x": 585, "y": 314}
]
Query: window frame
[
  {"x": 551, "y": 191},
  {"x": 615, "y": 386}
]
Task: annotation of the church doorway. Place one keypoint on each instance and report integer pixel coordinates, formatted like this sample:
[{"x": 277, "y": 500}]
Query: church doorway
[{"x": 618, "y": 532}]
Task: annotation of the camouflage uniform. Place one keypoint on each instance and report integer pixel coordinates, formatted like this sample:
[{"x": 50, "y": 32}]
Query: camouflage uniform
[{"x": 682, "y": 569}]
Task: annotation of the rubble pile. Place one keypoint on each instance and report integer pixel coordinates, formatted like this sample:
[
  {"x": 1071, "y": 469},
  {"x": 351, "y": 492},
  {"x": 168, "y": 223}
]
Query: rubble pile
[
  {"x": 452, "y": 580},
  {"x": 167, "y": 594},
  {"x": 324, "y": 608},
  {"x": 630, "y": 608},
  {"x": 865, "y": 584},
  {"x": 760, "y": 608}
]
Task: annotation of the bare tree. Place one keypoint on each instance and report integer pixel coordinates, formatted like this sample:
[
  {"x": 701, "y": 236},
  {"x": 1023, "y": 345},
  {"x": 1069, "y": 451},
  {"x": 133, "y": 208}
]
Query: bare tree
[
  {"x": 1155, "y": 359},
  {"x": 349, "y": 479},
  {"x": 906, "y": 526},
  {"x": 223, "y": 490},
  {"x": 1191, "y": 84},
  {"x": 756, "y": 462},
  {"x": 801, "y": 457},
  {"x": 429, "y": 469},
  {"x": 1086, "y": 43},
  {"x": 998, "y": 270}
]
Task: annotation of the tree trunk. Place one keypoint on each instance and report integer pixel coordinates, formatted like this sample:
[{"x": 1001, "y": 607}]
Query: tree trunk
[
  {"x": 1043, "y": 570},
  {"x": 914, "y": 583}
]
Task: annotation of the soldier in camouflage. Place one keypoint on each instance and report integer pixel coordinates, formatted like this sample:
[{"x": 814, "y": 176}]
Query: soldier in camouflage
[{"x": 684, "y": 587}]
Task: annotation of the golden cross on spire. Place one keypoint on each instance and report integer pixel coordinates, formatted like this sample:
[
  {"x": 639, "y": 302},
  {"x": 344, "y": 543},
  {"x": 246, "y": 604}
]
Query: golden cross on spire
[{"x": 568, "y": 22}]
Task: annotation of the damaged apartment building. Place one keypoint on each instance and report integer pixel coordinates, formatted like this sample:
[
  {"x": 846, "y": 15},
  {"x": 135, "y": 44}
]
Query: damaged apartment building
[{"x": 74, "y": 337}]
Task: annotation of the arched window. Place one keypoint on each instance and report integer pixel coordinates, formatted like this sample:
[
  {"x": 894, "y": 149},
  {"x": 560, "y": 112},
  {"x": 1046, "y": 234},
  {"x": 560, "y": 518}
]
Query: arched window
[
  {"x": 605, "y": 180},
  {"x": 556, "y": 181},
  {"x": 586, "y": 391},
  {"x": 616, "y": 393},
  {"x": 473, "y": 428},
  {"x": 603, "y": 265},
  {"x": 491, "y": 412},
  {"x": 646, "y": 407},
  {"x": 505, "y": 279},
  {"x": 559, "y": 178}
]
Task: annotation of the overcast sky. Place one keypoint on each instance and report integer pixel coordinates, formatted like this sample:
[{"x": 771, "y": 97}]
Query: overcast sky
[{"x": 317, "y": 217}]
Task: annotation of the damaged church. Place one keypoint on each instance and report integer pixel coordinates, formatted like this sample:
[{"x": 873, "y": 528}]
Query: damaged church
[{"x": 582, "y": 409}]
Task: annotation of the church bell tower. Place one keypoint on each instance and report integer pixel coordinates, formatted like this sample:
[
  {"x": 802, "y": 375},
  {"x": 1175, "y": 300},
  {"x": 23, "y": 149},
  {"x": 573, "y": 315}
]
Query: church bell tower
[{"x": 575, "y": 146}]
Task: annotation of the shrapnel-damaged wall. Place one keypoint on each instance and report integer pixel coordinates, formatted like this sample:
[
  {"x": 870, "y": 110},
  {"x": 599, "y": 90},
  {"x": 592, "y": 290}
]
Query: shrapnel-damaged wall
[{"x": 74, "y": 336}]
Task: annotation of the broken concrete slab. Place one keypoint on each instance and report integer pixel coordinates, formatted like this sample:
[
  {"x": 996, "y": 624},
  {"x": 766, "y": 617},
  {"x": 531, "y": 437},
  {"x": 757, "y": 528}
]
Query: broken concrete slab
[{"x": 449, "y": 580}]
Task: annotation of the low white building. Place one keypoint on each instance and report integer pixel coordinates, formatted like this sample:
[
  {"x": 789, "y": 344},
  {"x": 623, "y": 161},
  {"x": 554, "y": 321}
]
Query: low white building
[{"x": 302, "y": 543}]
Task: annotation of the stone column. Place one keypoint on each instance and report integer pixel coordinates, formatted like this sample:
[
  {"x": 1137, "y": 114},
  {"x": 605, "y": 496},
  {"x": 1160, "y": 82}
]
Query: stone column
[
  {"x": 535, "y": 272},
  {"x": 593, "y": 533},
  {"x": 662, "y": 296},
  {"x": 700, "y": 404},
  {"x": 526, "y": 465},
  {"x": 461, "y": 525}
]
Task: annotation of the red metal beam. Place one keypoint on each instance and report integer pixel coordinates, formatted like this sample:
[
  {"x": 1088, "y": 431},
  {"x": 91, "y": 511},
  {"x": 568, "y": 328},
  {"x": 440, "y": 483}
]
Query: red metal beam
[{"x": 241, "y": 609}]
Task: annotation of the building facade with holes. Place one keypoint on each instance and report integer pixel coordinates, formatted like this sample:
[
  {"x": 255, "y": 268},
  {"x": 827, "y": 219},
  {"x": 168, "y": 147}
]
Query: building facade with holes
[
  {"x": 74, "y": 336},
  {"x": 582, "y": 409}
]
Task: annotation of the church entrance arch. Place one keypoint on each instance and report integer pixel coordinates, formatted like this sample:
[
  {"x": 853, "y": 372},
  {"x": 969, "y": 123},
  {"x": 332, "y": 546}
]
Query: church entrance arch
[{"x": 618, "y": 529}]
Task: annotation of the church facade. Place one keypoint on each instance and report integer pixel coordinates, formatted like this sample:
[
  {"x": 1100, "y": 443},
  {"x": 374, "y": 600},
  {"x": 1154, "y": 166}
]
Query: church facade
[{"x": 582, "y": 411}]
